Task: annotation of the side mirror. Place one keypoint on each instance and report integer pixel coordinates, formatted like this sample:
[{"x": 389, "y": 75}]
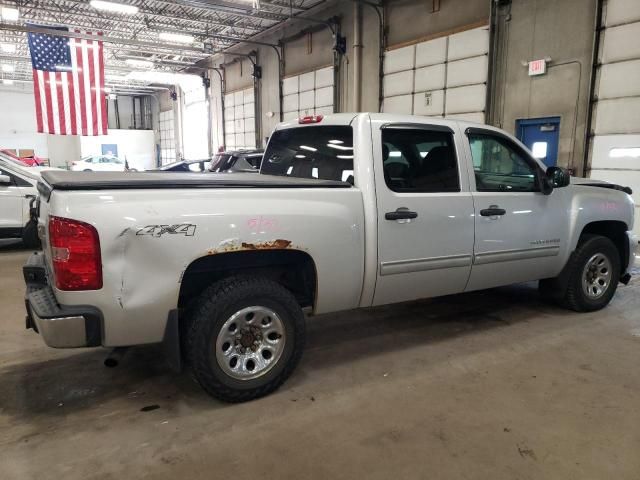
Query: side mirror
[
  {"x": 558, "y": 177},
  {"x": 5, "y": 180}
]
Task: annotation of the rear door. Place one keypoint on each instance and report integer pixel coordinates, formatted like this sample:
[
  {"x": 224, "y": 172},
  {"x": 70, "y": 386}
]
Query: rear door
[
  {"x": 519, "y": 231},
  {"x": 425, "y": 212}
]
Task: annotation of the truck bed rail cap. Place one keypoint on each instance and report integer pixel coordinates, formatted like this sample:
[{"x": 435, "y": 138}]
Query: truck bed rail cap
[{"x": 65, "y": 180}]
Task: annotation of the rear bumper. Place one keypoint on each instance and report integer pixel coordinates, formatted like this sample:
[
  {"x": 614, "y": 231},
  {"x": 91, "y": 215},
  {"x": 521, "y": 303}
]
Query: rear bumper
[{"x": 60, "y": 326}]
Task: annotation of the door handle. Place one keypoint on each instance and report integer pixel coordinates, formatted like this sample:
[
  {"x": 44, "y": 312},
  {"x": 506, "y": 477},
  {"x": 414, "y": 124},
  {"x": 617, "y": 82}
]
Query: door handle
[
  {"x": 492, "y": 211},
  {"x": 401, "y": 213}
]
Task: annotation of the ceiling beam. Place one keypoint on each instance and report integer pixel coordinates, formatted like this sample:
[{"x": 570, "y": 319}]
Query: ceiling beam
[{"x": 100, "y": 38}]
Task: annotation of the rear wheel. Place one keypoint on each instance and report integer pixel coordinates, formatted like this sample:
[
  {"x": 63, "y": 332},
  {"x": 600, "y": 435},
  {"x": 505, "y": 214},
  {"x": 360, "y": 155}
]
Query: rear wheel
[
  {"x": 245, "y": 337},
  {"x": 593, "y": 275}
]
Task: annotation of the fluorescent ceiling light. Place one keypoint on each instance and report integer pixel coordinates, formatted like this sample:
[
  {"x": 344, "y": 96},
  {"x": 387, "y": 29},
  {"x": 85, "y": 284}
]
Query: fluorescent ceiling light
[
  {"x": 345, "y": 157},
  {"x": 139, "y": 62},
  {"x": 114, "y": 7},
  {"x": 10, "y": 14},
  {"x": 338, "y": 147},
  {"x": 8, "y": 47},
  {"x": 301, "y": 156},
  {"x": 336, "y": 141},
  {"x": 176, "y": 37},
  {"x": 311, "y": 149},
  {"x": 7, "y": 81},
  {"x": 7, "y": 68}
]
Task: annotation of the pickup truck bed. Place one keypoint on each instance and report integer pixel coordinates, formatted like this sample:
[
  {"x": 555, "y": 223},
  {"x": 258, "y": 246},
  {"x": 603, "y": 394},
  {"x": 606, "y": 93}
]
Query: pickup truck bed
[{"x": 150, "y": 180}]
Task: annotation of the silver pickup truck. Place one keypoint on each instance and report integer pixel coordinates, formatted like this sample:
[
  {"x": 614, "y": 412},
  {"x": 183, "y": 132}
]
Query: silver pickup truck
[{"x": 348, "y": 211}]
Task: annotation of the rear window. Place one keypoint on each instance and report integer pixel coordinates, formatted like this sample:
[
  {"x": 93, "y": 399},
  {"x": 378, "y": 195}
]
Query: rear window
[{"x": 325, "y": 153}]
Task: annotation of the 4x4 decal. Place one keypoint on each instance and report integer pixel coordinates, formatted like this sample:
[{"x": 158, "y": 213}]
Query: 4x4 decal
[{"x": 186, "y": 229}]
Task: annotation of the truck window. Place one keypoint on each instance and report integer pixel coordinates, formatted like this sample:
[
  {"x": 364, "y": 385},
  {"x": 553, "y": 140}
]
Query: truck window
[
  {"x": 419, "y": 160},
  {"x": 323, "y": 152},
  {"x": 501, "y": 166}
]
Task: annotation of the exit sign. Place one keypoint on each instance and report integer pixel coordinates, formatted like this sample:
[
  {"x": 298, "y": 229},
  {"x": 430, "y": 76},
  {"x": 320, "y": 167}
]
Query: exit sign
[{"x": 537, "y": 67}]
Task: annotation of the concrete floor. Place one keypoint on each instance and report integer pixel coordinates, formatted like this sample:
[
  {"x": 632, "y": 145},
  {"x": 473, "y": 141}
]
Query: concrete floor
[{"x": 489, "y": 385}]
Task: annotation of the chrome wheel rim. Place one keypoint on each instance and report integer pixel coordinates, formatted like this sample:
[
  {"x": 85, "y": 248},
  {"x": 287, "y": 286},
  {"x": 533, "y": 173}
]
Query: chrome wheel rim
[
  {"x": 250, "y": 343},
  {"x": 596, "y": 276}
]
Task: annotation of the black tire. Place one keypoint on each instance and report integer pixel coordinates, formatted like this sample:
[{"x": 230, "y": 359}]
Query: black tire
[
  {"x": 575, "y": 297},
  {"x": 30, "y": 235},
  {"x": 214, "y": 307},
  {"x": 87, "y": 170}
]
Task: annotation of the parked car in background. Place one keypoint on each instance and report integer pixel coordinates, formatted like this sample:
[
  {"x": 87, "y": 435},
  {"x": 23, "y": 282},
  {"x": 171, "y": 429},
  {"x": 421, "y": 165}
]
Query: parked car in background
[
  {"x": 348, "y": 211},
  {"x": 101, "y": 163},
  {"x": 198, "y": 166},
  {"x": 237, "y": 161},
  {"x": 17, "y": 190},
  {"x": 28, "y": 161}
]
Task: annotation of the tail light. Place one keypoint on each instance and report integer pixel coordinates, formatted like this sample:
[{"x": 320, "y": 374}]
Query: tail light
[{"x": 75, "y": 254}]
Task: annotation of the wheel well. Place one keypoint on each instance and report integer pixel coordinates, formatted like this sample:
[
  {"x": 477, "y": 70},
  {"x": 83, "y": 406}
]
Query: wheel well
[
  {"x": 615, "y": 231},
  {"x": 293, "y": 269}
]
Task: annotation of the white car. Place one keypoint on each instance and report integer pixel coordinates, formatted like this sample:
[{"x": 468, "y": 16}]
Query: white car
[
  {"x": 100, "y": 163},
  {"x": 348, "y": 211},
  {"x": 17, "y": 189}
]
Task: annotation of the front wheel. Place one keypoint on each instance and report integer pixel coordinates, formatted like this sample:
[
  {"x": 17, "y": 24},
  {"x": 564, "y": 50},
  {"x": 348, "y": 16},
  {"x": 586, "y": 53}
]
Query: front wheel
[
  {"x": 594, "y": 274},
  {"x": 245, "y": 337}
]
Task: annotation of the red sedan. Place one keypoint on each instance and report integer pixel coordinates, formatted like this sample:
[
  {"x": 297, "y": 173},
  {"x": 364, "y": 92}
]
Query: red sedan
[{"x": 28, "y": 161}]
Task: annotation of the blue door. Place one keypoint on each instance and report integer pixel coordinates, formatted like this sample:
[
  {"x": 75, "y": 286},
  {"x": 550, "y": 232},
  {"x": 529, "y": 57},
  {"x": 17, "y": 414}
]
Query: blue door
[{"x": 541, "y": 136}]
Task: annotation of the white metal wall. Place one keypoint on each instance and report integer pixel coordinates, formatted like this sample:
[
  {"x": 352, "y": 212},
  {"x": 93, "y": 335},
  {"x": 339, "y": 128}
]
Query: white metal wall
[
  {"x": 308, "y": 94},
  {"x": 446, "y": 76},
  {"x": 240, "y": 119},
  {"x": 615, "y": 152}
]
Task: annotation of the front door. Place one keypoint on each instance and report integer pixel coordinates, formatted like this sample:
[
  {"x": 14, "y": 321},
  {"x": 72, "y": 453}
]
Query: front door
[
  {"x": 11, "y": 201},
  {"x": 541, "y": 136},
  {"x": 425, "y": 213},
  {"x": 519, "y": 231}
]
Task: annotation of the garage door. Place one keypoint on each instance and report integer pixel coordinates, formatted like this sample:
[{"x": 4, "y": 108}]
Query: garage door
[
  {"x": 240, "y": 119},
  {"x": 308, "y": 94},
  {"x": 167, "y": 138},
  {"x": 615, "y": 152},
  {"x": 446, "y": 76}
]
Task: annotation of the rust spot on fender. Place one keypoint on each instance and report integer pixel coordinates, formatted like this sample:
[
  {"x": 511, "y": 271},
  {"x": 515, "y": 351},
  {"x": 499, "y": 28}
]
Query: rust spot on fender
[
  {"x": 275, "y": 244},
  {"x": 279, "y": 244}
]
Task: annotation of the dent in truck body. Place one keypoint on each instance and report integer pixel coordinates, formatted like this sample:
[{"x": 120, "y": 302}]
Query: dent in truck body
[{"x": 142, "y": 273}]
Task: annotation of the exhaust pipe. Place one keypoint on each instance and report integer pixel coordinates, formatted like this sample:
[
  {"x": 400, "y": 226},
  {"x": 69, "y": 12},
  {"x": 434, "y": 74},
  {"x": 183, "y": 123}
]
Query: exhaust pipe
[{"x": 115, "y": 357}]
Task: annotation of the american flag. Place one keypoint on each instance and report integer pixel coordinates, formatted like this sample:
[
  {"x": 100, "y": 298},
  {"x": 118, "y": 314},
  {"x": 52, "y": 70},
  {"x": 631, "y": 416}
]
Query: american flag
[{"x": 68, "y": 78}]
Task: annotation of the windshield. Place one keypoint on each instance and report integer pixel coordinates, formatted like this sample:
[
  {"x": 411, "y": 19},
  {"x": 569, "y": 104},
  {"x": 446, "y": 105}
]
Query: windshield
[{"x": 319, "y": 152}]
